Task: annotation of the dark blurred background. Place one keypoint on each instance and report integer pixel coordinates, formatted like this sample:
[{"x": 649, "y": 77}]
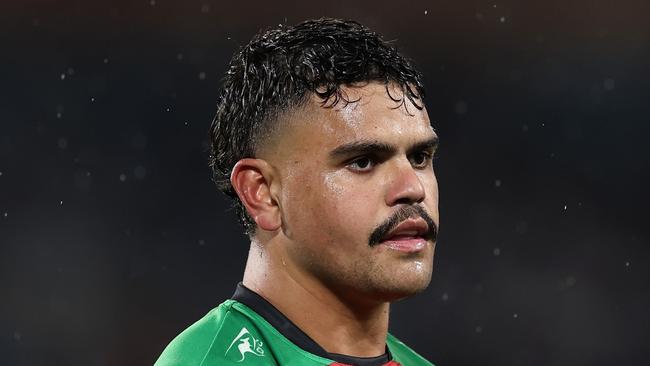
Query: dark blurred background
[{"x": 113, "y": 238}]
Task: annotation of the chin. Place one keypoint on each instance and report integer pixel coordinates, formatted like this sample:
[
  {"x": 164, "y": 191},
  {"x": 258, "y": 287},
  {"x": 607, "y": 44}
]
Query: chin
[{"x": 402, "y": 286}]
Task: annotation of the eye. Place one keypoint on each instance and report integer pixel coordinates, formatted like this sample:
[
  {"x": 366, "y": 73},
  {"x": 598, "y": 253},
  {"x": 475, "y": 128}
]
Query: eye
[
  {"x": 362, "y": 164},
  {"x": 421, "y": 159}
]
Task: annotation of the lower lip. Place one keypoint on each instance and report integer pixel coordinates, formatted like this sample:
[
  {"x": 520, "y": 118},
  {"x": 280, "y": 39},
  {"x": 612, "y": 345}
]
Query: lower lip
[{"x": 406, "y": 245}]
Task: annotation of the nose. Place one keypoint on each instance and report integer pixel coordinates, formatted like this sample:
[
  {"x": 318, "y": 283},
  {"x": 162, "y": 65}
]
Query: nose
[{"x": 405, "y": 185}]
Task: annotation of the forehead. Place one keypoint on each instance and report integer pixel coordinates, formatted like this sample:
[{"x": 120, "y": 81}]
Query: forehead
[{"x": 373, "y": 113}]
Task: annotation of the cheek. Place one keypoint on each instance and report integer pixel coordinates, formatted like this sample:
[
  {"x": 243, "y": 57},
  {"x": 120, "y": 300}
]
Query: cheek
[{"x": 348, "y": 198}]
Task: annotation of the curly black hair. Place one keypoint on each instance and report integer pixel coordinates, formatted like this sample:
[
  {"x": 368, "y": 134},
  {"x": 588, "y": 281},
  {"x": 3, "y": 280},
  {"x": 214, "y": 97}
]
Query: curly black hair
[{"x": 279, "y": 70}]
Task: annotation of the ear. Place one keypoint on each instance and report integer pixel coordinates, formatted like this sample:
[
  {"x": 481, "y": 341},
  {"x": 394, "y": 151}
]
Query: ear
[{"x": 251, "y": 179}]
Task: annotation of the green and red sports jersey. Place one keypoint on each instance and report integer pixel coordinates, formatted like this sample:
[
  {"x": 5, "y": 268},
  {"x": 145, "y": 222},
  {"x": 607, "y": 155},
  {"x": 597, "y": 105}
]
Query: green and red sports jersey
[{"x": 247, "y": 330}]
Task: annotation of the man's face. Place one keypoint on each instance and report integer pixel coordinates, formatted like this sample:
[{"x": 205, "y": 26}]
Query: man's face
[{"x": 359, "y": 197}]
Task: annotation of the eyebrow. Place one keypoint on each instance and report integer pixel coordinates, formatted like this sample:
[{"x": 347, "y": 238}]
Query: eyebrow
[{"x": 366, "y": 147}]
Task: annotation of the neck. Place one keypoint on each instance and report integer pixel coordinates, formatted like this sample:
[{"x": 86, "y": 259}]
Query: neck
[{"x": 339, "y": 324}]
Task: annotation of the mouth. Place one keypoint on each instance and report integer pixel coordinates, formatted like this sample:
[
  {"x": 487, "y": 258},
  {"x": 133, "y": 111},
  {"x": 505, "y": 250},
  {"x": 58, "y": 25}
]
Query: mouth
[{"x": 409, "y": 237}]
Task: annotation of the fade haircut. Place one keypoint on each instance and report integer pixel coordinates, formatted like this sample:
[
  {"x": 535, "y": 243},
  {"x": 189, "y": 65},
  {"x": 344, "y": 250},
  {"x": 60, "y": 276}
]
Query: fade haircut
[{"x": 280, "y": 69}]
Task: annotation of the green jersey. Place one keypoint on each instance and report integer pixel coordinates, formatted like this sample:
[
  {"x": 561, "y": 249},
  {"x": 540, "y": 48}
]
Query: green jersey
[{"x": 247, "y": 330}]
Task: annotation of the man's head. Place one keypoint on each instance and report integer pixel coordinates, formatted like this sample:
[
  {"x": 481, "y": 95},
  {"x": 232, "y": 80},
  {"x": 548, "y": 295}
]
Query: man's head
[{"x": 322, "y": 139}]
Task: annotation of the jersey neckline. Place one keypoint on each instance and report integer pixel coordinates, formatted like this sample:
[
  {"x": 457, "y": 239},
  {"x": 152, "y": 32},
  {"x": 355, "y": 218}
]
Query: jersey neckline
[{"x": 294, "y": 334}]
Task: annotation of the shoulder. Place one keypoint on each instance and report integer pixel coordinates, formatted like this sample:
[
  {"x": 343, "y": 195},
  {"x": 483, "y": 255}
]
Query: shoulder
[
  {"x": 404, "y": 354},
  {"x": 224, "y": 336}
]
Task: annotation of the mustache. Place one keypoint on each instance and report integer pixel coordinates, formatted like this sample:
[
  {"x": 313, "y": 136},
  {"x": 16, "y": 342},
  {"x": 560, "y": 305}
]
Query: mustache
[{"x": 405, "y": 212}]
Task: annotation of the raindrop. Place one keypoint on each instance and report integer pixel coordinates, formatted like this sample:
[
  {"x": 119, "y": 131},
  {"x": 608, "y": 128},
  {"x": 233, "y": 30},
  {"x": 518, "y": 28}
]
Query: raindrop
[
  {"x": 502, "y": 19},
  {"x": 61, "y": 203},
  {"x": 497, "y": 183},
  {"x": 152, "y": 2},
  {"x": 205, "y": 8},
  {"x": 564, "y": 207},
  {"x": 122, "y": 177},
  {"x": 478, "y": 329},
  {"x": 496, "y": 252},
  {"x": 62, "y": 76},
  {"x": 445, "y": 297},
  {"x": 6, "y": 214},
  {"x": 179, "y": 57},
  {"x": 461, "y": 107},
  {"x": 426, "y": 12},
  {"x": 70, "y": 71},
  {"x": 515, "y": 315},
  {"x": 140, "y": 172},
  {"x": 201, "y": 242},
  {"x": 92, "y": 99},
  {"x": 139, "y": 141},
  {"x": 105, "y": 60},
  {"x": 570, "y": 281},
  {"x": 62, "y": 143},
  {"x": 627, "y": 264},
  {"x": 202, "y": 75}
]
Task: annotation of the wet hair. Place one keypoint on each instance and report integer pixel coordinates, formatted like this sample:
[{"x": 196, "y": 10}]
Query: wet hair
[{"x": 280, "y": 69}]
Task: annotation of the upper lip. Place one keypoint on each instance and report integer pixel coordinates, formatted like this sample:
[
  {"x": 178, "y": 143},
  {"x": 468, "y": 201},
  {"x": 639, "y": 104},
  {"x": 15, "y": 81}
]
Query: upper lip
[{"x": 409, "y": 227}]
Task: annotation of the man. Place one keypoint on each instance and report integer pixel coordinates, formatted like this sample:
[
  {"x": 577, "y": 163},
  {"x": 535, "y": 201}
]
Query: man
[{"x": 323, "y": 141}]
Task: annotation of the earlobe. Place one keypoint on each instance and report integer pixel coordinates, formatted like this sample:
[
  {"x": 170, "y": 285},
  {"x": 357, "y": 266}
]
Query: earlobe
[{"x": 251, "y": 179}]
